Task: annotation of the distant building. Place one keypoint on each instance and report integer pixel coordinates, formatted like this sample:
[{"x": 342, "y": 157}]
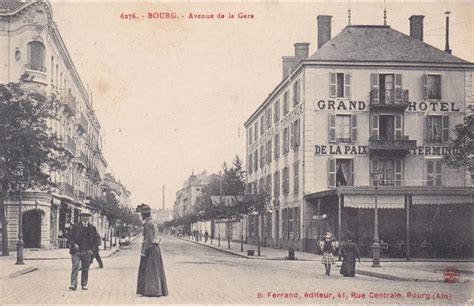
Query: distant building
[
  {"x": 120, "y": 191},
  {"x": 186, "y": 198},
  {"x": 163, "y": 215}
]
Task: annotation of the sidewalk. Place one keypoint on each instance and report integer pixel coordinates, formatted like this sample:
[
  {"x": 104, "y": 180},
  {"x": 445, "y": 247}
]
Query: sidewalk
[{"x": 392, "y": 269}]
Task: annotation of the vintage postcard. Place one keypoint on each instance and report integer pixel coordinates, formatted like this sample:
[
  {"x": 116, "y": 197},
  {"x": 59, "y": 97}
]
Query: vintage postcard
[{"x": 271, "y": 152}]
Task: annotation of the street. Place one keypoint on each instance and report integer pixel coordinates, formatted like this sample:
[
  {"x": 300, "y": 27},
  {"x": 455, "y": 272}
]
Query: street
[{"x": 198, "y": 274}]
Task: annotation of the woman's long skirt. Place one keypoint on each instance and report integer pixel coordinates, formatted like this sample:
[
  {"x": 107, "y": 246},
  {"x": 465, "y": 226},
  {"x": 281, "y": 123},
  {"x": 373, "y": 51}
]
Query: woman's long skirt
[
  {"x": 348, "y": 266},
  {"x": 151, "y": 274}
]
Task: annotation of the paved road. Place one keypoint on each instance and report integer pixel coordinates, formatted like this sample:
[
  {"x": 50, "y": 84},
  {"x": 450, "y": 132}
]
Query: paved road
[{"x": 197, "y": 274}]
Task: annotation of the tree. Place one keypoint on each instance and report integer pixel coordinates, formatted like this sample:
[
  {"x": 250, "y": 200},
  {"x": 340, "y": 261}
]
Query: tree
[
  {"x": 26, "y": 139},
  {"x": 462, "y": 147},
  {"x": 259, "y": 204}
]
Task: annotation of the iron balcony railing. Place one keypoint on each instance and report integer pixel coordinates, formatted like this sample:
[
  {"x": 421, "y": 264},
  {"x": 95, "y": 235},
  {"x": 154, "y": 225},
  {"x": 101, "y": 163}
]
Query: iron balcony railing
[
  {"x": 389, "y": 98},
  {"x": 68, "y": 101},
  {"x": 391, "y": 143},
  {"x": 82, "y": 123},
  {"x": 70, "y": 145}
]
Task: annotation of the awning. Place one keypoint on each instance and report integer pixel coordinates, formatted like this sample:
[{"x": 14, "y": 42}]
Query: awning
[
  {"x": 368, "y": 201},
  {"x": 441, "y": 200}
]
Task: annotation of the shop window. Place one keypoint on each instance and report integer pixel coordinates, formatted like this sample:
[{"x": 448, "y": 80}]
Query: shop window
[
  {"x": 432, "y": 86},
  {"x": 285, "y": 181},
  {"x": 433, "y": 172},
  {"x": 390, "y": 171},
  {"x": 276, "y": 184},
  {"x": 277, "y": 147},
  {"x": 296, "y": 93},
  {"x": 437, "y": 129},
  {"x": 285, "y": 103},
  {"x": 342, "y": 128},
  {"x": 340, "y": 172},
  {"x": 295, "y": 177},
  {"x": 276, "y": 116},
  {"x": 36, "y": 56},
  {"x": 339, "y": 85}
]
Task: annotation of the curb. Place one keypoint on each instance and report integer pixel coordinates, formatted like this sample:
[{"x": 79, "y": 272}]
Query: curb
[
  {"x": 22, "y": 272},
  {"x": 403, "y": 279}
]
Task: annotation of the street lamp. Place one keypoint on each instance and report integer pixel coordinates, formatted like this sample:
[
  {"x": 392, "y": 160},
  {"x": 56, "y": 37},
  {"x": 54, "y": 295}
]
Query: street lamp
[
  {"x": 376, "y": 245},
  {"x": 19, "y": 244}
]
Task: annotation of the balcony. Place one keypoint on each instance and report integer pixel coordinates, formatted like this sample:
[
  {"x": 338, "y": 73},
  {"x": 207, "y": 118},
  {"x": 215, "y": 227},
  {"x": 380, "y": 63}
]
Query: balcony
[
  {"x": 69, "y": 145},
  {"x": 81, "y": 195},
  {"x": 68, "y": 190},
  {"x": 37, "y": 73},
  {"x": 81, "y": 159},
  {"x": 82, "y": 123},
  {"x": 391, "y": 146},
  {"x": 68, "y": 101},
  {"x": 389, "y": 99}
]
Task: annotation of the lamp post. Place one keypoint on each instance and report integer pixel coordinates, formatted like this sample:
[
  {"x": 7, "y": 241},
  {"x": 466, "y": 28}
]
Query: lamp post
[
  {"x": 376, "y": 245},
  {"x": 19, "y": 243}
]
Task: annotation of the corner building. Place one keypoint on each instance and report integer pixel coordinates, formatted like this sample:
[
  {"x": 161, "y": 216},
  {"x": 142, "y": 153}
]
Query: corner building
[
  {"x": 31, "y": 43},
  {"x": 370, "y": 104}
]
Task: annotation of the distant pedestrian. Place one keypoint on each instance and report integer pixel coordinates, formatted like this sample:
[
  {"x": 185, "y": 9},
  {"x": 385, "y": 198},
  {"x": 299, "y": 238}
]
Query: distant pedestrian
[
  {"x": 200, "y": 235},
  {"x": 206, "y": 236},
  {"x": 82, "y": 240},
  {"x": 96, "y": 254},
  {"x": 328, "y": 247},
  {"x": 349, "y": 252},
  {"x": 151, "y": 272}
]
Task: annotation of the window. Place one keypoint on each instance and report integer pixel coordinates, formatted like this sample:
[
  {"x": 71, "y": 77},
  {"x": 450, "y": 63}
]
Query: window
[
  {"x": 269, "y": 151},
  {"x": 276, "y": 184},
  {"x": 339, "y": 85},
  {"x": 255, "y": 129},
  {"x": 262, "y": 124},
  {"x": 290, "y": 223},
  {"x": 386, "y": 89},
  {"x": 269, "y": 117},
  {"x": 433, "y": 172},
  {"x": 340, "y": 172},
  {"x": 250, "y": 163},
  {"x": 387, "y": 127},
  {"x": 262, "y": 156},
  {"x": 296, "y": 131},
  {"x": 261, "y": 185},
  {"x": 284, "y": 223},
  {"x": 391, "y": 171},
  {"x": 432, "y": 86},
  {"x": 276, "y": 116},
  {"x": 295, "y": 177},
  {"x": 277, "y": 146},
  {"x": 342, "y": 128},
  {"x": 437, "y": 129},
  {"x": 286, "y": 144},
  {"x": 36, "y": 56},
  {"x": 285, "y": 181},
  {"x": 52, "y": 69},
  {"x": 285, "y": 103},
  {"x": 296, "y": 93},
  {"x": 255, "y": 160},
  {"x": 268, "y": 187},
  {"x": 250, "y": 135},
  {"x": 297, "y": 223}
]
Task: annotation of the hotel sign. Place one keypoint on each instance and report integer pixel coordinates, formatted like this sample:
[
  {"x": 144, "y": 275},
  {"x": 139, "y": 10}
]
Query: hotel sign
[
  {"x": 347, "y": 105},
  {"x": 364, "y": 150}
]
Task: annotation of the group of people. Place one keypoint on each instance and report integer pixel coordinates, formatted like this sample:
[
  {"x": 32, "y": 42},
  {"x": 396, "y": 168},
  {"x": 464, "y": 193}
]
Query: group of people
[
  {"x": 84, "y": 242},
  {"x": 347, "y": 249}
]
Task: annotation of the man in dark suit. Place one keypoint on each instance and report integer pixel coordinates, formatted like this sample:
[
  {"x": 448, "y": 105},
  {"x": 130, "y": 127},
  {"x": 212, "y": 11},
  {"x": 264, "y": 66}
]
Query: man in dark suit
[{"x": 82, "y": 241}]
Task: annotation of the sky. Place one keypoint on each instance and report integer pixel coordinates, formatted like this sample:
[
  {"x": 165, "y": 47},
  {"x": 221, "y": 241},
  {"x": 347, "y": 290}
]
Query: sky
[{"x": 172, "y": 95}]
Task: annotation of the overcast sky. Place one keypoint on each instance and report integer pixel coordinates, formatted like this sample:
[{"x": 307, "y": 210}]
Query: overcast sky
[{"x": 172, "y": 95}]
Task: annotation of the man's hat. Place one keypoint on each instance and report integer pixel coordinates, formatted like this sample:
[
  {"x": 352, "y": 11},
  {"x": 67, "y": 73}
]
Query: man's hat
[
  {"x": 143, "y": 208},
  {"x": 85, "y": 214}
]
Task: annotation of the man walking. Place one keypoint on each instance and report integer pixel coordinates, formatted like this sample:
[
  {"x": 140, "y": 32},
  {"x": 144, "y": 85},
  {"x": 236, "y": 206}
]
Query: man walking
[
  {"x": 82, "y": 241},
  {"x": 96, "y": 254}
]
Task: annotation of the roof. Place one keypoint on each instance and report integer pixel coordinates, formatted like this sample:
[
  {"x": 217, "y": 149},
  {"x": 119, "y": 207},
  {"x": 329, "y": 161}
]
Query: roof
[
  {"x": 10, "y": 5},
  {"x": 380, "y": 43}
]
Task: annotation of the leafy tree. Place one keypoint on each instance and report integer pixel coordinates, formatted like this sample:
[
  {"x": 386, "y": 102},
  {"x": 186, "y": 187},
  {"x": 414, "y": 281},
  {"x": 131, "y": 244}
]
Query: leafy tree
[
  {"x": 259, "y": 204},
  {"x": 26, "y": 139},
  {"x": 463, "y": 145}
]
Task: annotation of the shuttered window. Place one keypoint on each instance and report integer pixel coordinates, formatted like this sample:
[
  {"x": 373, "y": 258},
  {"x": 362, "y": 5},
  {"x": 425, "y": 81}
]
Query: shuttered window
[
  {"x": 296, "y": 93},
  {"x": 296, "y": 177},
  {"x": 277, "y": 146},
  {"x": 276, "y": 184},
  {"x": 374, "y": 88},
  {"x": 437, "y": 129},
  {"x": 432, "y": 86},
  {"x": 433, "y": 170},
  {"x": 339, "y": 85},
  {"x": 276, "y": 116}
]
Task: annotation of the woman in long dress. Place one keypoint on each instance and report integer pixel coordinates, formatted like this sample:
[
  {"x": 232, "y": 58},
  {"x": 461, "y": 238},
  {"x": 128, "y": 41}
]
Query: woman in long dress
[
  {"x": 349, "y": 252},
  {"x": 328, "y": 247},
  {"x": 151, "y": 273}
]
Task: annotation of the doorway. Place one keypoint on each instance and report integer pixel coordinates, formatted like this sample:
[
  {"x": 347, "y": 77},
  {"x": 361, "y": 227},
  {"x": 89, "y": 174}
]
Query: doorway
[{"x": 32, "y": 228}]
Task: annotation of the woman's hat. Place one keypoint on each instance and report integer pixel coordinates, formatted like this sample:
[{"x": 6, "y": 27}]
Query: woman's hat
[
  {"x": 328, "y": 234},
  {"x": 143, "y": 208},
  {"x": 85, "y": 214}
]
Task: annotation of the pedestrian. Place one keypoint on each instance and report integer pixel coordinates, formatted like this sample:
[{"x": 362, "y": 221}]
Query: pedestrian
[
  {"x": 206, "y": 236},
  {"x": 82, "y": 240},
  {"x": 200, "y": 235},
  {"x": 349, "y": 252},
  {"x": 96, "y": 254},
  {"x": 328, "y": 247},
  {"x": 151, "y": 272}
]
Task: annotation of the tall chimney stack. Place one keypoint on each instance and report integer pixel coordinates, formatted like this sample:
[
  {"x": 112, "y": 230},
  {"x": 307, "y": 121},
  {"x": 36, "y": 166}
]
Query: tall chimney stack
[
  {"x": 301, "y": 51},
  {"x": 446, "y": 48},
  {"x": 288, "y": 62},
  {"x": 416, "y": 26},
  {"x": 324, "y": 29}
]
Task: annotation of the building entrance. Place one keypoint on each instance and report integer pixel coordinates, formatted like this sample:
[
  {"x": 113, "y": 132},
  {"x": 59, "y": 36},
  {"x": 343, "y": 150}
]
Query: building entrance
[{"x": 32, "y": 228}]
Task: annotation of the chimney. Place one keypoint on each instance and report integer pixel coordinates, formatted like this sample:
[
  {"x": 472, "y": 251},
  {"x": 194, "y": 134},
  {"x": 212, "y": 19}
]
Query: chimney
[
  {"x": 324, "y": 29},
  {"x": 446, "y": 48},
  {"x": 301, "y": 51},
  {"x": 288, "y": 63},
  {"x": 416, "y": 26}
]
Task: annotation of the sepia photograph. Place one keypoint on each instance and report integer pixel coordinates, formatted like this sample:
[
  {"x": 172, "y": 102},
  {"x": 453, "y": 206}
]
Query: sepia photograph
[{"x": 236, "y": 152}]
